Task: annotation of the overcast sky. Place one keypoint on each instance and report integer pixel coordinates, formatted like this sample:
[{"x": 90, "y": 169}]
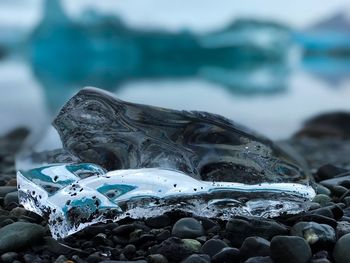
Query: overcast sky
[{"x": 177, "y": 14}]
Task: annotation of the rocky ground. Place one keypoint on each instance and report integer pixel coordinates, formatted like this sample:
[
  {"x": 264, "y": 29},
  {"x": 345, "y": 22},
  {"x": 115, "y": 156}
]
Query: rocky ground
[{"x": 320, "y": 235}]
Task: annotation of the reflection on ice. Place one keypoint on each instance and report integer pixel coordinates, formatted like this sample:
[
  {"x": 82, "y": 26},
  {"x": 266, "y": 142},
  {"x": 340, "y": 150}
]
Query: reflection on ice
[{"x": 75, "y": 196}]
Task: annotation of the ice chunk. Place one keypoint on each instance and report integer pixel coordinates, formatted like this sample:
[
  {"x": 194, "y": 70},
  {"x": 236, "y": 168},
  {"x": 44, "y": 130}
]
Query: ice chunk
[{"x": 123, "y": 159}]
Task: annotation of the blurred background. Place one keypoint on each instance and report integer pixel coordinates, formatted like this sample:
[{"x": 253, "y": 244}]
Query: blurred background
[{"x": 269, "y": 65}]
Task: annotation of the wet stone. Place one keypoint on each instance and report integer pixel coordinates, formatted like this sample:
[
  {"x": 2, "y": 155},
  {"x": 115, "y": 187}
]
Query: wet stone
[
  {"x": 322, "y": 190},
  {"x": 289, "y": 249},
  {"x": 192, "y": 244},
  {"x": 253, "y": 247},
  {"x": 158, "y": 222},
  {"x": 123, "y": 229},
  {"x": 61, "y": 259},
  {"x": 238, "y": 229},
  {"x": 157, "y": 258},
  {"x": 9, "y": 257},
  {"x": 343, "y": 228},
  {"x": 329, "y": 171},
  {"x": 321, "y": 260},
  {"x": 226, "y": 255},
  {"x": 322, "y": 199},
  {"x": 4, "y": 190},
  {"x": 197, "y": 258},
  {"x": 123, "y": 261},
  {"x": 173, "y": 249},
  {"x": 213, "y": 246},
  {"x": 341, "y": 252},
  {"x": 6, "y": 222},
  {"x": 339, "y": 190},
  {"x": 259, "y": 260},
  {"x": 187, "y": 228},
  {"x": 58, "y": 248},
  {"x": 330, "y": 183},
  {"x": 11, "y": 198},
  {"x": 317, "y": 235},
  {"x": 19, "y": 235},
  {"x": 324, "y": 211}
]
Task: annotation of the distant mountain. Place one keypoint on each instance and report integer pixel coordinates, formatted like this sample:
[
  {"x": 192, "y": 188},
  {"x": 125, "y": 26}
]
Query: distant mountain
[
  {"x": 338, "y": 22},
  {"x": 328, "y": 37},
  {"x": 326, "y": 46}
]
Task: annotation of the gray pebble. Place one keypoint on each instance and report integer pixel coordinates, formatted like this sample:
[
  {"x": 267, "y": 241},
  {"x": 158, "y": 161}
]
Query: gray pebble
[
  {"x": 290, "y": 249},
  {"x": 19, "y": 235},
  {"x": 213, "y": 246},
  {"x": 157, "y": 258},
  {"x": 4, "y": 190},
  {"x": 187, "y": 227},
  {"x": 197, "y": 258},
  {"x": 314, "y": 233},
  {"x": 11, "y": 198},
  {"x": 341, "y": 252},
  {"x": 253, "y": 247},
  {"x": 322, "y": 199},
  {"x": 343, "y": 228},
  {"x": 9, "y": 257}
]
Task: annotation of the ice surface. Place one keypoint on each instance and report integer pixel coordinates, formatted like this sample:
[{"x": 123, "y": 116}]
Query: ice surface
[{"x": 122, "y": 159}]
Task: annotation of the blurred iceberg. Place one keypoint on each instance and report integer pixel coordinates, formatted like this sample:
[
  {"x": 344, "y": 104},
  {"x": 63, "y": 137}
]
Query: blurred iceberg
[
  {"x": 326, "y": 47},
  {"x": 103, "y": 51}
]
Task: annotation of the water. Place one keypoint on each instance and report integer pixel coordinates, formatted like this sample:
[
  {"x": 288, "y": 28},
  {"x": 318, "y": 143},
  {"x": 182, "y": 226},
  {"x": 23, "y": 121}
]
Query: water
[{"x": 120, "y": 159}]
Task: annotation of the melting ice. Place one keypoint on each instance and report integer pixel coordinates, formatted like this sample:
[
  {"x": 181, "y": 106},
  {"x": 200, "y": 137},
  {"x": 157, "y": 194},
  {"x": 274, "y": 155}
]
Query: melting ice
[{"x": 121, "y": 159}]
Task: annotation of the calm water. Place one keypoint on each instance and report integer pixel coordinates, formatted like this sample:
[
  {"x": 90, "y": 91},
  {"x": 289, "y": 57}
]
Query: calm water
[{"x": 26, "y": 102}]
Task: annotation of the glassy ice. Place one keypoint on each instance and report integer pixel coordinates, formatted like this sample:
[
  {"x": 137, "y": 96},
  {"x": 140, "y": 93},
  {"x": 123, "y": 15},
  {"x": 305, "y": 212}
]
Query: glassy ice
[{"x": 115, "y": 159}]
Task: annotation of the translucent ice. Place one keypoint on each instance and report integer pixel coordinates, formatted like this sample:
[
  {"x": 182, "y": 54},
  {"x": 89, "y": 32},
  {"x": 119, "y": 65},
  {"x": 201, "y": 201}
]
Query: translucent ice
[{"x": 122, "y": 159}]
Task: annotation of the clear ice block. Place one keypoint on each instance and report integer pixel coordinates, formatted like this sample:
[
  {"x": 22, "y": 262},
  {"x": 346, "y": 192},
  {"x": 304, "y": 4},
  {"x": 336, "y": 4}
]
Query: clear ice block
[{"x": 115, "y": 159}]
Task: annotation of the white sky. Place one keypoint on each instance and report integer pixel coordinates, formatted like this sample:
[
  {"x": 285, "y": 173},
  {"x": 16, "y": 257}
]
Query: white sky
[{"x": 177, "y": 14}]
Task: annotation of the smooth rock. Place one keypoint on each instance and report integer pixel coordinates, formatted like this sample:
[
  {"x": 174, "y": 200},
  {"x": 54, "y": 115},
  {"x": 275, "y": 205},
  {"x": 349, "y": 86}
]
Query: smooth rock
[
  {"x": 61, "y": 259},
  {"x": 343, "y": 228},
  {"x": 197, "y": 258},
  {"x": 322, "y": 190},
  {"x": 58, "y": 248},
  {"x": 11, "y": 197},
  {"x": 226, "y": 255},
  {"x": 213, "y": 246},
  {"x": 239, "y": 228},
  {"x": 19, "y": 235},
  {"x": 187, "y": 227},
  {"x": 254, "y": 247},
  {"x": 158, "y": 221},
  {"x": 173, "y": 249},
  {"x": 330, "y": 183},
  {"x": 9, "y": 257},
  {"x": 329, "y": 171},
  {"x": 317, "y": 235},
  {"x": 323, "y": 211},
  {"x": 123, "y": 229},
  {"x": 341, "y": 252},
  {"x": 339, "y": 190},
  {"x": 322, "y": 199},
  {"x": 192, "y": 244},
  {"x": 123, "y": 261},
  {"x": 259, "y": 260},
  {"x": 314, "y": 218},
  {"x": 157, "y": 258},
  {"x": 321, "y": 260},
  {"x": 290, "y": 249},
  {"x": 4, "y": 190}
]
